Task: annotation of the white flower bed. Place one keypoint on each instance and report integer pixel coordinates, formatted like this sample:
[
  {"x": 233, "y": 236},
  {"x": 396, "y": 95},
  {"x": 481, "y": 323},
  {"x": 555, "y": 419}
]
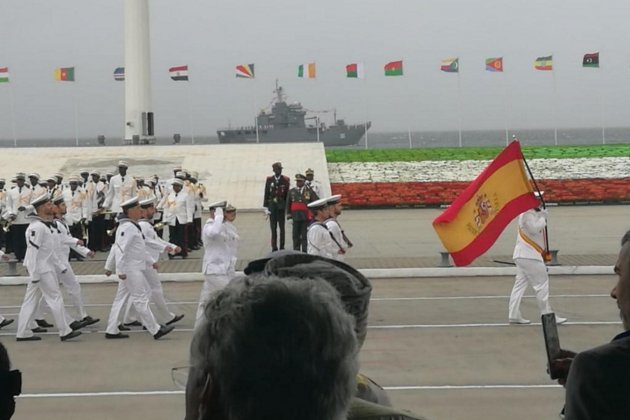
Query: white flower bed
[{"x": 467, "y": 170}]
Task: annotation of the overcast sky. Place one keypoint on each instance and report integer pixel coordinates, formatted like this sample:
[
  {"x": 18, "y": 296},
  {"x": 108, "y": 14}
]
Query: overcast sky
[{"x": 213, "y": 36}]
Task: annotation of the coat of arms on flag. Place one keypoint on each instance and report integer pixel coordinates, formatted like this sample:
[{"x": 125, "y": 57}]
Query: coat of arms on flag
[{"x": 179, "y": 73}]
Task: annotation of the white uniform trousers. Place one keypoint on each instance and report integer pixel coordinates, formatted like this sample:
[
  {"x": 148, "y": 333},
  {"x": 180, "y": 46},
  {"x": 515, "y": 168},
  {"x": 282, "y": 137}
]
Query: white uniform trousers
[
  {"x": 534, "y": 273},
  {"x": 211, "y": 284},
  {"x": 160, "y": 310},
  {"x": 135, "y": 289},
  {"x": 73, "y": 288},
  {"x": 47, "y": 287}
]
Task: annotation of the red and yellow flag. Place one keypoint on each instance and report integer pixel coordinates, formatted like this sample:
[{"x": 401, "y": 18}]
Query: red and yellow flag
[{"x": 476, "y": 218}]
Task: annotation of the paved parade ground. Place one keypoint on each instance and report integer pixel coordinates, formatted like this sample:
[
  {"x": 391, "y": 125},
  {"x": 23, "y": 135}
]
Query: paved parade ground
[{"x": 441, "y": 346}]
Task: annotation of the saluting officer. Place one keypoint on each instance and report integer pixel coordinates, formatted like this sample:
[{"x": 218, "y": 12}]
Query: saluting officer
[
  {"x": 297, "y": 211},
  {"x": 130, "y": 257},
  {"x": 276, "y": 190}
]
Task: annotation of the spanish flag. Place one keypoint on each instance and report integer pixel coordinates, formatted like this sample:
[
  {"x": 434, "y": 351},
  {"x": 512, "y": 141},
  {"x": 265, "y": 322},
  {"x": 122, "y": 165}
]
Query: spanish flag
[{"x": 476, "y": 218}]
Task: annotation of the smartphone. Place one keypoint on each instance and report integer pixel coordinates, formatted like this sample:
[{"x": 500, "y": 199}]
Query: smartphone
[{"x": 552, "y": 341}]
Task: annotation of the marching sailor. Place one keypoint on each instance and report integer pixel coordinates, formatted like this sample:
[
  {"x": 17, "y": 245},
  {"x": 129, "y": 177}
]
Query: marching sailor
[
  {"x": 320, "y": 240},
  {"x": 335, "y": 228}
]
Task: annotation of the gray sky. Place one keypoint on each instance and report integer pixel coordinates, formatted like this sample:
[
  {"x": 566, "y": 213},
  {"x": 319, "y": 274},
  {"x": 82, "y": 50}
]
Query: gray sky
[{"x": 211, "y": 37}]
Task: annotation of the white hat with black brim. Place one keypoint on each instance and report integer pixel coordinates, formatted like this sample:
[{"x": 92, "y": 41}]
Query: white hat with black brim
[
  {"x": 216, "y": 204},
  {"x": 132, "y": 202},
  {"x": 318, "y": 204},
  {"x": 147, "y": 202},
  {"x": 42, "y": 199}
]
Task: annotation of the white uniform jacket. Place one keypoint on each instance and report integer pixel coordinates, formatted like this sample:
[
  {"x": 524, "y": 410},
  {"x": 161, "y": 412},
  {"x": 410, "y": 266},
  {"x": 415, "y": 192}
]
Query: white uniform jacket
[
  {"x": 120, "y": 190},
  {"x": 18, "y": 197},
  {"x": 220, "y": 244},
  {"x": 131, "y": 251},
  {"x": 155, "y": 244},
  {"x": 95, "y": 193},
  {"x": 316, "y": 186},
  {"x": 335, "y": 230},
  {"x": 530, "y": 224},
  {"x": 77, "y": 205},
  {"x": 177, "y": 207},
  {"x": 41, "y": 249},
  {"x": 200, "y": 198},
  {"x": 319, "y": 241},
  {"x": 65, "y": 241},
  {"x": 37, "y": 191}
]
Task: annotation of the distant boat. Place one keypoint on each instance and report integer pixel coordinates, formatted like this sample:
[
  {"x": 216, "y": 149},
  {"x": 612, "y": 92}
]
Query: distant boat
[{"x": 286, "y": 124}]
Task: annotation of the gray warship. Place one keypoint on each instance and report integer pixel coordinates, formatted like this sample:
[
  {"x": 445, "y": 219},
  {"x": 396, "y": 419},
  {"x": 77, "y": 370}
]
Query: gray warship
[{"x": 286, "y": 123}]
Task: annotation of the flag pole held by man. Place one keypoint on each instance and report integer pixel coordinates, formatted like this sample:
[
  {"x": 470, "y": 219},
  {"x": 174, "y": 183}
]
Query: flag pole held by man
[{"x": 474, "y": 221}]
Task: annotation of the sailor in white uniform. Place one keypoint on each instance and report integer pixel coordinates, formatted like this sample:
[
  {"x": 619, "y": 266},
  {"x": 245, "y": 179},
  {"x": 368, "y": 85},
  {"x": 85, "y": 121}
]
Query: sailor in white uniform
[
  {"x": 320, "y": 240},
  {"x": 220, "y": 244},
  {"x": 122, "y": 187},
  {"x": 530, "y": 266},
  {"x": 41, "y": 262},
  {"x": 335, "y": 228},
  {"x": 131, "y": 257},
  {"x": 155, "y": 246}
]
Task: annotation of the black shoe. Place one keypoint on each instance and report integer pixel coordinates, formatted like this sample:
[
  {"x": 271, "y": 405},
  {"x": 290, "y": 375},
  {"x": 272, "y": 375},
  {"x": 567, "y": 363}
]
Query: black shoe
[
  {"x": 115, "y": 336},
  {"x": 163, "y": 331},
  {"x": 42, "y": 323},
  {"x": 170, "y": 257},
  {"x": 70, "y": 335},
  {"x": 184, "y": 256},
  {"x": 88, "y": 320},
  {"x": 133, "y": 324},
  {"x": 175, "y": 319},
  {"x": 39, "y": 330},
  {"x": 76, "y": 325},
  {"x": 121, "y": 327},
  {"x": 6, "y": 322},
  {"x": 33, "y": 338}
]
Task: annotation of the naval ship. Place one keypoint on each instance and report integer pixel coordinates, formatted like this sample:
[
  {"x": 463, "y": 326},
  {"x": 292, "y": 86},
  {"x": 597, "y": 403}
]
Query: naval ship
[{"x": 286, "y": 123}]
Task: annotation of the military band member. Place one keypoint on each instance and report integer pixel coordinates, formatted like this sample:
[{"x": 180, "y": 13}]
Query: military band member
[
  {"x": 122, "y": 187},
  {"x": 130, "y": 257},
  {"x": 143, "y": 190},
  {"x": 297, "y": 200},
  {"x": 200, "y": 198},
  {"x": 3, "y": 213},
  {"x": 36, "y": 188},
  {"x": 312, "y": 183},
  {"x": 18, "y": 198},
  {"x": 178, "y": 212},
  {"x": 320, "y": 240},
  {"x": 77, "y": 213},
  {"x": 95, "y": 189},
  {"x": 42, "y": 264},
  {"x": 220, "y": 245},
  {"x": 276, "y": 190},
  {"x": 85, "y": 176},
  {"x": 53, "y": 189},
  {"x": 334, "y": 227}
]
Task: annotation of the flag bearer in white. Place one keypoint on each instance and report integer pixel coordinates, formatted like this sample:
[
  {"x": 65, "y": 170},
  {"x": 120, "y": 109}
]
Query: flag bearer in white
[
  {"x": 220, "y": 243},
  {"x": 131, "y": 257},
  {"x": 42, "y": 263}
]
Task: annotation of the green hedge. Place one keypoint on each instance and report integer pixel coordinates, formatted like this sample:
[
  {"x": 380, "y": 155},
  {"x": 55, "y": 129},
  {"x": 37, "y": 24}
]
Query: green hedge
[{"x": 475, "y": 153}]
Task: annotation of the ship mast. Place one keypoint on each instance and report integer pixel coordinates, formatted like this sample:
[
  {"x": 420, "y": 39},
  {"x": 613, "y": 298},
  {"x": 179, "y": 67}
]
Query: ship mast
[{"x": 278, "y": 92}]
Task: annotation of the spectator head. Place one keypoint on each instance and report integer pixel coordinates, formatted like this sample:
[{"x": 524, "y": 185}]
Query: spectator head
[
  {"x": 10, "y": 385},
  {"x": 621, "y": 291},
  {"x": 272, "y": 349}
]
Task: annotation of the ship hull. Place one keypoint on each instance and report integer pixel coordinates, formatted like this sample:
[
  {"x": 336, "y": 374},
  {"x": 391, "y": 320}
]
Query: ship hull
[{"x": 346, "y": 135}]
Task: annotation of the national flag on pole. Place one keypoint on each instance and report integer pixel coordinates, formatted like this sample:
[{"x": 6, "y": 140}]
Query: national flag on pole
[
  {"x": 306, "y": 71},
  {"x": 591, "y": 60},
  {"x": 450, "y": 65},
  {"x": 494, "y": 64},
  {"x": 4, "y": 75},
  {"x": 119, "y": 74},
  {"x": 64, "y": 74},
  {"x": 394, "y": 68},
  {"x": 245, "y": 71},
  {"x": 179, "y": 73},
  {"x": 474, "y": 221},
  {"x": 355, "y": 71},
  {"x": 544, "y": 63}
]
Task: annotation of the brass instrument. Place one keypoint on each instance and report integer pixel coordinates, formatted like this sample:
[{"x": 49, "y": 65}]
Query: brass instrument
[
  {"x": 112, "y": 231},
  {"x": 6, "y": 225},
  {"x": 84, "y": 233},
  {"x": 159, "y": 226}
]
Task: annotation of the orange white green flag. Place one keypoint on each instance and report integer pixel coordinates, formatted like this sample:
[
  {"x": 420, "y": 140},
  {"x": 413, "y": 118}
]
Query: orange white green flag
[
  {"x": 306, "y": 71},
  {"x": 4, "y": 75},
  {"x": 474, "y": 221}
]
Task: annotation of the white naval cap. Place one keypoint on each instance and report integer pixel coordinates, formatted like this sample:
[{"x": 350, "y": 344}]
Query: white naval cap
[
  {"x": 318, "y": 204},
  {"x": 20, "y": 175},
  {"x": 334, "y": 199},
  {"x": 38, "y": 201},
  {"x": 177, "y": 181},
  {"x": 123, "y": 163},
  {"x": 147, "y": 202},
  {"x": 34, "y": 175},
  {"x": 229, "y": 208},
  {"x": 216, "y": 204},
  {"x": 58, "y": 199},
  {"x": 95, "y": 173},
  {"x": 132, "y": 202},
  {"x": 73, "y": 179},
  {"x": 84, "y": 171},
  {"x": 180, "y": 174}
]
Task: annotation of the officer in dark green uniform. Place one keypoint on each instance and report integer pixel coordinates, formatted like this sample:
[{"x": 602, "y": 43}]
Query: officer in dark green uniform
[
  {"x": 276, "y": 189},
  {"x": 297, "y": 211}
]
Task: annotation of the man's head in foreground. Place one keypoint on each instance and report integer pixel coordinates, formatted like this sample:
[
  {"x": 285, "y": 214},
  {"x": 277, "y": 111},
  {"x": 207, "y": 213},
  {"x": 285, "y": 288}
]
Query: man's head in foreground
[
  {"x": 273, "y": 348},
  {"x": 621, "y": 291}
]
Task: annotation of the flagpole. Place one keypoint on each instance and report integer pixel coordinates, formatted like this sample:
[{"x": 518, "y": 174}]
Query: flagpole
[
  {"x": 553, "y": 106},
  {"x": 601, "y": 106},
  {"x": 506, "y": 115},
  {"x": 542, "y": 200},
  {"x": 459, "y": 103},
  {"x": 76, "y": 114},
  {"x": 365, "y": 96},
  {"x": 12, "y": 105},
  {"x": 190, "y": 116}
]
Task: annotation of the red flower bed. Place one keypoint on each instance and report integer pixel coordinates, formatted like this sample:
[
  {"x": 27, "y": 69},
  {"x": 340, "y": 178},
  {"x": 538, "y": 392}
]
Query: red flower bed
[{"x": 392, "y": 194}]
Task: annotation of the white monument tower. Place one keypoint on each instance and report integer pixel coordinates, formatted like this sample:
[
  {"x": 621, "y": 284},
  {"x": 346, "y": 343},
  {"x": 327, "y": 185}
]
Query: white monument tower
[{"x": 139, "y": 127}]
